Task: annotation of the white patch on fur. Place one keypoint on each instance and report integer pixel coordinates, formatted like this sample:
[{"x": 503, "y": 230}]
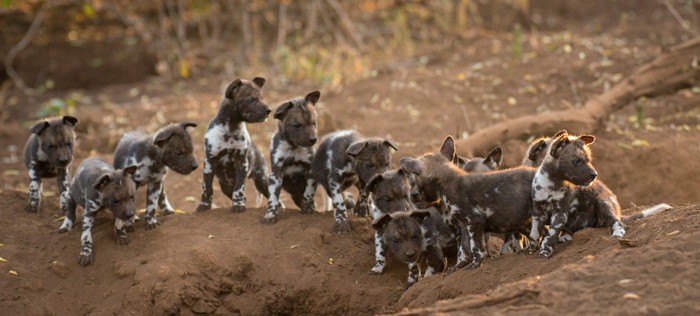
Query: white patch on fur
[
  {"x": 41, "y": 155},
  {"x": 565, "y": 238},
  {"x": 546, "y": 191},
  {"x": 118, "y": 224},
  {"x": 346, "y": 169},
  {"x": 216, "y": 138},
  {"x": 67, "y": 224},
  {"x": 534, "y": 229},
  {"x": 655, "y": 209},
  {"x": 207, "y": 166},
  {"x": 293, "y": 169},
  {"x": 284, "y": 150},
  {"x": 618, "y": 230}
]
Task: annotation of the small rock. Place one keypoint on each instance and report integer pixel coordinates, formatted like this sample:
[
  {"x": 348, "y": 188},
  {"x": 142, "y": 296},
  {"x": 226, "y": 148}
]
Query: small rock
[
  {"x": 201, "y": 307},
  {"x": 628, "y": 242},
  {"x": 59, "y": 269}
]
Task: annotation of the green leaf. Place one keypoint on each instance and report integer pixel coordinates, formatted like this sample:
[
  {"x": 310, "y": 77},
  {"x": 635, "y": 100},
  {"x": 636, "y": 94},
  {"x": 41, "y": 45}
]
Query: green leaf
[{"x": 5, "y": 3}]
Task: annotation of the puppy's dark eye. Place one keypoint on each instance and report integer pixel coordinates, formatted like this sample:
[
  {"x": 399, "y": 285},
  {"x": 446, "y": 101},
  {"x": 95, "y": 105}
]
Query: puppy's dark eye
[
  {"x": 414, "y": 237},
  {"x": 370, "y": 165},
  {"x": 395, "y": 240},
  {"x": 180, "y": 154},
  {"x": 52, "y": 147},
  {"x": 133, "y": 197},
  {"x": 577, "y": 161},
  {"x": 250, "y": 100},
  {"x": 115, "y": 201},
  {"x": 314, "y": 123},
  {"x": 69, "y": 144},
  {"x": 296, "y": 125}
]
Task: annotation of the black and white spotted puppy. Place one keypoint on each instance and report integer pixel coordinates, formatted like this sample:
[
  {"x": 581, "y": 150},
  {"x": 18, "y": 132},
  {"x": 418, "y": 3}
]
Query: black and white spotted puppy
[
  {"x": 390, "y": 193},
  {"x": 291, "y": 153},
  {"x": 170, "y": 147},
  {"x": 97, "y": 186},
  {"x": 344, "y": 158},
  {"x": 230, "y": 154},
  {"x": 566, "y": 193},
  {"x": 47, "y": 154},
  {"x": 413, "y": 236}
]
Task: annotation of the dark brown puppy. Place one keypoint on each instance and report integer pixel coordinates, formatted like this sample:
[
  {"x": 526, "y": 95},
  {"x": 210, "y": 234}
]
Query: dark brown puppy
[
  {"x": 169, "y": 148},
  {"x": 47, "y": 154},
  {"x": 498, "y": 201},
  {"x": 97, "y": 186},
  {"x": 477, "y": 164},
  {"x": 291, "y": 153},
  {"x": 230, "y": 154}
]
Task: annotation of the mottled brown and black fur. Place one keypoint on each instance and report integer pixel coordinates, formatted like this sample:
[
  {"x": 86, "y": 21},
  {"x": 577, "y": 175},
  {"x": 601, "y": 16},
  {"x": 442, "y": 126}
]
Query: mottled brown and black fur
[
  {"x": 291, "y": 154},
  {"x": 567, "y": 195},
  {"x": 97, "y": 186},
  {"x": 169, "y": 148},
  {"x": 478, "y": 164},
  {"x": 47, "y": 154},
  {"x": 538, "y": 150},
  {"x": 230, "y": 154},
  {"x": 343, "y": 159},
  {"x": 498, "y": 202}
]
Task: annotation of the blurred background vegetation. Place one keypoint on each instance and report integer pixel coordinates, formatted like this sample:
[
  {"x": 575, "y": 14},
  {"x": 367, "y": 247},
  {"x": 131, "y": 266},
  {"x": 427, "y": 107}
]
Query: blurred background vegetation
[{"x": 325, "y": 42}]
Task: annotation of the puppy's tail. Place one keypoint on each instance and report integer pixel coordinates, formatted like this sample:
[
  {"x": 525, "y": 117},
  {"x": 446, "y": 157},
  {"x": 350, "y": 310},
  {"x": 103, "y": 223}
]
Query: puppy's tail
[{"x": 647, "y": 212}]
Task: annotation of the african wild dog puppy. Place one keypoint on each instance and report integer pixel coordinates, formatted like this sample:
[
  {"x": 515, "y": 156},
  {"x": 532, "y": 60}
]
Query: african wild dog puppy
[
  {"x": 538, "y": 150},
  {"x": 490, "y": 163},
  {"x": 497, "y": 201},
  {"x": 566, "y": 193},
  {"x": 97, "y": 186},
  {"x": 390, "y": 193},
  {"x": 412, "y": 236},
  {"x": 47, "y": 154},
  {"x": 230, "y": 154},
  {"x": 291, "y": 153},
  {"x": 170, "y": 147},
  {"x": 344, "y": 158}
]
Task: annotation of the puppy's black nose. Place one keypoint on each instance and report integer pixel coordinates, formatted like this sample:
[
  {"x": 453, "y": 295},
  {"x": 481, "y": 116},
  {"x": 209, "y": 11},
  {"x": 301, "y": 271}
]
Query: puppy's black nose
[
  {"x": 313, "y": 140},
  {"x": 593, "y": 175},
  {"x": 63, "y": 160},
  {"x": 268, "y": 111},
  {"x": 410, "y": 255},
  {"x": 194, "y": 166}
]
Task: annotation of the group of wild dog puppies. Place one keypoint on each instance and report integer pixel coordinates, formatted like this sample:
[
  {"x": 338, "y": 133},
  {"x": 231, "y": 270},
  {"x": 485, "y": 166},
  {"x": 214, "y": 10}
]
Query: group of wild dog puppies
[{"x": 429, "y": 205}]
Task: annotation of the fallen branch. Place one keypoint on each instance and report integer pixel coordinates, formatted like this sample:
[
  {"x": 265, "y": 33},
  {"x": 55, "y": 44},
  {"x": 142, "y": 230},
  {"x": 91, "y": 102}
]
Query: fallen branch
[
  {"x": 671, "y": 71},
  {"x": 10, "y": 58}
]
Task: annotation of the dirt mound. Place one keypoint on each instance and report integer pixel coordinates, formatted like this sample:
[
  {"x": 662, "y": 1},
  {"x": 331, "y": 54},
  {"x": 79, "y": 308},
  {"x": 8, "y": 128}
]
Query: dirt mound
[
  {"x": 592, "y": 274},
  {"x": 217, "y": 262}
]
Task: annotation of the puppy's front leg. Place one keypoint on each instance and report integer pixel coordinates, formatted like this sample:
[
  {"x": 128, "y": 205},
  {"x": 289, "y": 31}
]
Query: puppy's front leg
[
  {"x": 86, "y": 249},
  {"x": 207, "y": 191},
  {"x": 238, "y": 195},
  {"x": 413, "y": 274},
  {"x": 163, "y": 202},
  {"x": 557, "y": 224},
  {"x": 342, "y": 225},
  {"x": 63, "y": 181},
  {"x": 120, "y": 227},
  {"x": 273, "y": 204},
  {"x": 34, "y": 190},
  {"x": 309, "y": 205},
  {"x": 69, "y": 212},
  {"x": 379, "y": 254},
  {"x": 363, "y": 203},
  {"x": 152, "y": 195}
]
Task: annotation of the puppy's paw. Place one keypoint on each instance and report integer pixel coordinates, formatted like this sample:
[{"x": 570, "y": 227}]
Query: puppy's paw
[
  {"x": 168, "y": 211},
  {"x": 238, "y": 208},
  {"x": 32, "y": 208},
  {"x": 473, "y": 265},
  {"x": 130, "y": 228},
  {"x": 122, "y": 238},
  {"x": 342, "y": 226},
  {"x": 362, "y": 209},
  {"x": 546, "y": 252},
  {"x": 308, "y": 209},
  {"x": 269, "y": 218},
  {"x": 203, "y": 207},
  {"x": 377, "y": 269},
  {"x": 85, "y": 258},
  {"x": 152, "y": 223}
]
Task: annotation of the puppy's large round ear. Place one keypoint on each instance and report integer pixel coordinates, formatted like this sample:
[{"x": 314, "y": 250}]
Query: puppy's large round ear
[
  {"x": 536, "y": 148},
  {"x": 259, "y": 81},
  {"x": 162, "y": 137},
  {"x": 495, "y": 156},
  {"x": 373, "y": 182},
  {"x": 130, "y": 170},
  {"x": 559, "y": 133},
  {"x": 40, "y": 127},
  {"x": 313, "y": 97},
  {"x": 282, "y": 110},
  {"x": 420, "y": 215},
  {"x": 231, "y": 88},
  {"x": 411, "y": 165},
  {"x": 558, "y": 144},
  {"x": 448, "y": 149},
  {"x": 391, "y": 144},
  {"x": 69, "y": 120},
  {"x": 356, "y": 148},
  {"x": 102, "y": 182},
  {"x": 587, "y": 139},
  {"x": 380, "y": 224},
  {"x": 185, "y": 125}
]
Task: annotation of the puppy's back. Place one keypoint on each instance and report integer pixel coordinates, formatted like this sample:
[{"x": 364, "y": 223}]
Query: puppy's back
[{"x": 331, "y": 153}]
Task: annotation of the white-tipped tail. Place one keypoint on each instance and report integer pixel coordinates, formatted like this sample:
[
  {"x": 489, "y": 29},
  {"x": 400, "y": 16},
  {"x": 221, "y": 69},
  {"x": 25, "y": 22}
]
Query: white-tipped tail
[{"x": 655, "y": 209}]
